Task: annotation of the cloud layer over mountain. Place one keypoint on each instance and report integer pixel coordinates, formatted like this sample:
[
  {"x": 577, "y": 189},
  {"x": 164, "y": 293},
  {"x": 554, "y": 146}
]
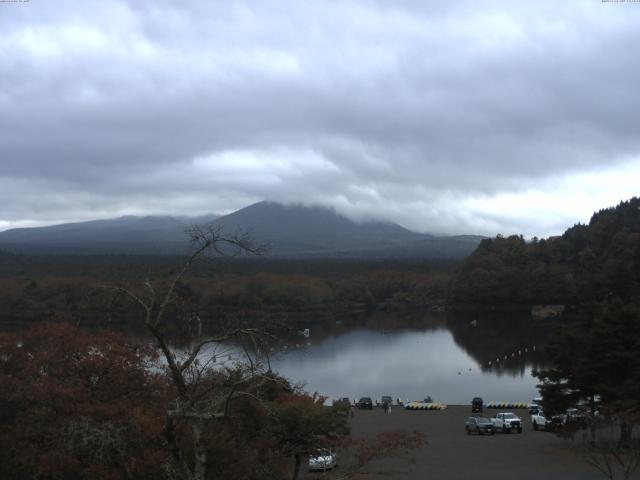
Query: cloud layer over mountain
[{"x": 447, "y": 117}]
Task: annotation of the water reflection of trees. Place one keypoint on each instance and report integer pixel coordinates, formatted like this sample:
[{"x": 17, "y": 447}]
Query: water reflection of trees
[
  {"x": 489, "y": 337},
  {"x": 485, "y": 336},
  {"x": 381, "y": 322}
]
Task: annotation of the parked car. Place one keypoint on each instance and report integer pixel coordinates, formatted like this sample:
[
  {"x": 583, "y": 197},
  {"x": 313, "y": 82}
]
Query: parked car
[
  {"x": 479, "y": 425},
  {"x": 476, "y": 405},
  {"x": 539, "y": 420},
  {"x": 386, "y": 399},
  {"x": 507, "y": 422},
  {"x": 323, "y": 459},
  {"x": 365, "y": 403},
  {"x": 573, "y": 418}
]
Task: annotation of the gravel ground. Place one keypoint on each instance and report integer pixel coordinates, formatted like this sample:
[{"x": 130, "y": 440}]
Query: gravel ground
[{"x": 451, "y": 454}]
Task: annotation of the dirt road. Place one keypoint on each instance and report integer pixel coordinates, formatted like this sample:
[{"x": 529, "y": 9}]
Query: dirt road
[{"x": 451, "y": 454}]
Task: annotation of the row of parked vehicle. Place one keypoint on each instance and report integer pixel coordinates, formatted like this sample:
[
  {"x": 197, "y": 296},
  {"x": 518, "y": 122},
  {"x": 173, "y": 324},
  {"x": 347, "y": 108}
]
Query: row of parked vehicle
[
  {"x": 572, "y": 417},
  {"x": 506, "y": 422}
]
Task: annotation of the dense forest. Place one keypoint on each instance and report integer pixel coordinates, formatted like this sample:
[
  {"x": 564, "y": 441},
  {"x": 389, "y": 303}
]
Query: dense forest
[
  {"x": 597, "y": 261},
  {"x": 37, "y": 288}
]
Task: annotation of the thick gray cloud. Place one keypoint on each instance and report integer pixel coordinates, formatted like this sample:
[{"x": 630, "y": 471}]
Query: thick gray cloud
[{"x": 474, "y": 117}]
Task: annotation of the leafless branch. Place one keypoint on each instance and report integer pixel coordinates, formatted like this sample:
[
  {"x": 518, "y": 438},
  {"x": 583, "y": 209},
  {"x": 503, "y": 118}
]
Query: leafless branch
[
  {"x": 196, "y": 350},
  {"x": 199, "y": 395},
  {"x": 606, "y": 447}
]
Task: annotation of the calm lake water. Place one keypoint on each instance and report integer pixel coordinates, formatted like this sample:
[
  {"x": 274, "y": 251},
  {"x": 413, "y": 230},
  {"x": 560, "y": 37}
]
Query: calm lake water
[
  {"x": 406, "y": 363},
  {"x": 450, "y": 357}
]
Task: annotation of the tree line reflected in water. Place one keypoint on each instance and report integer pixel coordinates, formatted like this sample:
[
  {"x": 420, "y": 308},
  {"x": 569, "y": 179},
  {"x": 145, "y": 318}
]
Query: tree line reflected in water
[{"x": 449, "y": 355}]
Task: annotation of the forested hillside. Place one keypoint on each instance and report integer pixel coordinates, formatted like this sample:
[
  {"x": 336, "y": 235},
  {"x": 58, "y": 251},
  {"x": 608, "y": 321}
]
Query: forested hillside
[
  {"x": 597, "y": 261},
  {"x": 35, "y": 288}
]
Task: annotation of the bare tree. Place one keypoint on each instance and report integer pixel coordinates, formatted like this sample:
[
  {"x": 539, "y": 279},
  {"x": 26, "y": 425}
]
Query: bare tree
[
  {"x": 611, "y": 444},
  {"x": 202, "y": 395}
]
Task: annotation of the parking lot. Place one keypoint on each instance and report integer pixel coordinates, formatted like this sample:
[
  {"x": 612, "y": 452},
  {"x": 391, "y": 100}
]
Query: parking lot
[{"x": 451, "y": 454}]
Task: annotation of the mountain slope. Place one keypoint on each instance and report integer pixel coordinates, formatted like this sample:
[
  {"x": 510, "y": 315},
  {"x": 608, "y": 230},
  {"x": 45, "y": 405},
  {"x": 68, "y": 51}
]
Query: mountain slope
[
  {"x": 296, "y": 229},
  {"x": 289, "y": 231},
  {"x": 124, "y": 234}
]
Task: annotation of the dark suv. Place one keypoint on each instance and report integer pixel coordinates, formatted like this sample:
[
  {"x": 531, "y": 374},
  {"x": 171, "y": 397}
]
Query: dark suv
[
  {"x": 479, "y": 425},
  {"x": 365, "y": 403},
  {"x": 476, "y": 405}
]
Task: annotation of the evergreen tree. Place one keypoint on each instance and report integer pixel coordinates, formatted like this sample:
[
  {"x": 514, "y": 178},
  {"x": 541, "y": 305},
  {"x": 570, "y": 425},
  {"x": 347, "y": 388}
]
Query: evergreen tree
[{"x": 598, "y": 357}]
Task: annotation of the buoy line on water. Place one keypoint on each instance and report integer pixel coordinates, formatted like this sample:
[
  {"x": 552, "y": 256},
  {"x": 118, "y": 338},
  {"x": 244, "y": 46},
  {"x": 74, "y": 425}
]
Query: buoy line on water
[{"x": 513, "y": 355}]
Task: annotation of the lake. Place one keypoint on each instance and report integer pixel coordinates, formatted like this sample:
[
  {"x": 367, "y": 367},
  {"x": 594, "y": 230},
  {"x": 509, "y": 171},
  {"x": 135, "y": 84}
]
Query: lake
[{"x": 446, "y": 359}]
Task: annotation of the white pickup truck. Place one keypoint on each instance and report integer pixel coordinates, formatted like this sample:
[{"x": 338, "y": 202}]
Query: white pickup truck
[
  {"x": 538, "y": 420},
  {"x": 573, "y": 416},
  {"x": 507, "y": 422}
]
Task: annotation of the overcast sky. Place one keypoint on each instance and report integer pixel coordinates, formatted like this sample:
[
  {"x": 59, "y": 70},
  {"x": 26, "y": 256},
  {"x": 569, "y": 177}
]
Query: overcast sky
[{"x": 445, "y": 116}]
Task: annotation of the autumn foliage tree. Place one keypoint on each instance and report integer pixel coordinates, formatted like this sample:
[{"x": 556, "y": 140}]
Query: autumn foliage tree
[{"x": 77, "y": 405}]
